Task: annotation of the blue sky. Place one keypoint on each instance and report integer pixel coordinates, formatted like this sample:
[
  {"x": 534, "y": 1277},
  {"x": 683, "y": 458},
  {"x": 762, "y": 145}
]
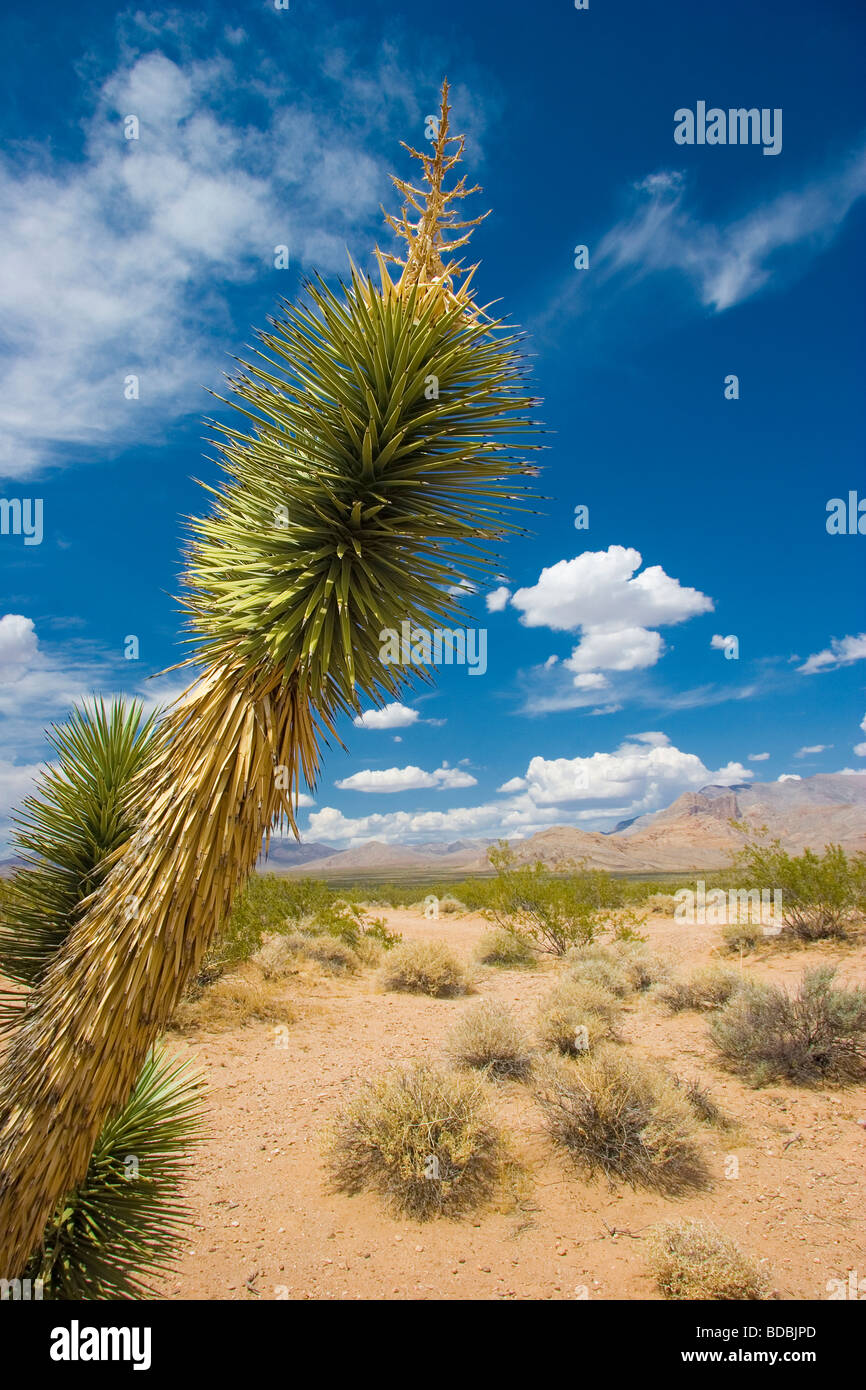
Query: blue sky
[{"x": 604, "y": 694}]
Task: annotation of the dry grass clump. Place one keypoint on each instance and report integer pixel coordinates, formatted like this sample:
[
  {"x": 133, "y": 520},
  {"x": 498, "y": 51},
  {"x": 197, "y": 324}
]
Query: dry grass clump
[
  {"x": 450, "y": 905},
  {"x": 278, "y": 955},
  {"x": 664, "y": 904},
  {"x": 425, "y": 967},
  {"x": 599, "y": 965},
  {"x": 576, "y": 1015},
  {"x": 703, "y": 1104},
  {"x": 488, "y": 1038},
  {"x": 624, "y": 1119},
  {"x": 643, "y": 967},
  {"x": 709, "y": 987},
  {"x": 333, "y": 955},
  {"x": 506, "y": 950},
  {"x": 423, "y": 1138},
  {"x": 818, "y": 1034},
  {"x": 242, "y": 996},
  {"x": 742, "y": 936},
  {"x": 623, "y": 967},
  {"x": 695, "y": 1260}
]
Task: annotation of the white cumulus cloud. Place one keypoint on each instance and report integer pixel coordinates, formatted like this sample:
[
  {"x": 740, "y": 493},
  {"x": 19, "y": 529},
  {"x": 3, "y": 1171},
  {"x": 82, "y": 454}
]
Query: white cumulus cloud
[
  {"x": 392, "y": 716},
  {"x": 402, "y": 779}
]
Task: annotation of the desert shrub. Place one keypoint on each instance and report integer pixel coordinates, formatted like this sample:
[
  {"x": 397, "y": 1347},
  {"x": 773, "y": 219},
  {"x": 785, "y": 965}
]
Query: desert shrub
[
  {"x": 705, "y": 1107},
  {"x": 624, "y": 1119},
  {"x": 709, "y": 987},
  {"x": 424, "y": 967},
  {"x": 505, "y": 949},
  {"x": 488, "y": 1038},
  {"x": 550, "y": 910},
  {"x": 695, "y": 1260},
  {"x": 378, "y": 931},
  {"x": 266, "y": 904},
  {"x": 742, "y": 936},
  {"x": 661, "y": 903},
  {"x": 576, "y": 1015},
  {"x": 449, "y": 905},
  {"x": 348, "y": 923},
  {"x": 599, "y": 965},
  {"x": 238, "y": 997},
  {"x": 643, "y": 967},
  {"x": 423, "y": 1138},
  {"x": 819, "y": 1034},
  {"x": 334, "y": 955},
  {"x": 278, "y": 956},
  {"x": 821, "y": 894}
]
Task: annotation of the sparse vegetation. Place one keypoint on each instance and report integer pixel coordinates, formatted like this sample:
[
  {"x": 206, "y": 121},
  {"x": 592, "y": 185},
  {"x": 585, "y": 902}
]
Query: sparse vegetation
[
  {"x": 738, "y": 937},
  {"x": 695, "y": 1260},
  {"x": 643, "y": 967},
  {"x": 600, "y": 965},
  {"x": 818, "y": 1034},
  {"x": 488, "y": 1039},
  {"x": 624, "y": 1119},
  {"x": 576, "y": 1015},
  {"x": 422, "y": 1137},
  {"x": 425, "y": 967},
  {"x": 703, "y": 1104},
  {"x": 506, "y": 950},
  {"x": 709, "y": 987},
  {"x": 238, "y": 997}
]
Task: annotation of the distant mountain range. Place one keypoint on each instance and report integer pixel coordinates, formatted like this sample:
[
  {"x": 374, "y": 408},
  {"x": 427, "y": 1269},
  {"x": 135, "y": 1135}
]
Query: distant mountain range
[{"x": 694, "y": 832}]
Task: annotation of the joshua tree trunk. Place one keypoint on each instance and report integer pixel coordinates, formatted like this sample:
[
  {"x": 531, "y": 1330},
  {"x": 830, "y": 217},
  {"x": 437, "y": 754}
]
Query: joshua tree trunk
[
  {"x": 113, "y": 986},
  {"x": 374, "y": 477}
]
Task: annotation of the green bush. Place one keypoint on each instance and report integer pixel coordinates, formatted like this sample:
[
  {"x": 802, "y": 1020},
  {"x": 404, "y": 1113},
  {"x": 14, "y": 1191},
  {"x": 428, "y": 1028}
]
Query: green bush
[
  {"x": 551, "y": 911},
  {"x": 822, "y": 894},
  {"x": 267, "y": 904}
]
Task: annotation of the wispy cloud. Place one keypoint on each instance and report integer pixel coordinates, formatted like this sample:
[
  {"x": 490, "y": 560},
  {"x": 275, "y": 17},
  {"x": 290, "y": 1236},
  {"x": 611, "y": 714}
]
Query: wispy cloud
[
  {"x": 724, "y": 262},
  {"x": 122, "y": 262},
  {"x": 728, "y": 262},
  {"x": 842, "y": 651}
]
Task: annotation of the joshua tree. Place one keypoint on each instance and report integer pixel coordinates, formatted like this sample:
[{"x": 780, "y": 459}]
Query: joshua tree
[
  {"x": 121, "y": 1225},
  {"x": 372, "y": 478}
]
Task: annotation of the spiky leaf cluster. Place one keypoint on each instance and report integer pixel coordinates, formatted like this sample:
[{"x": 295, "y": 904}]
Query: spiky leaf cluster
[
  {"x": 77, "y": 815},
  {"x": 374, "y": 476},
  {"x": 122, "y": 1225}
]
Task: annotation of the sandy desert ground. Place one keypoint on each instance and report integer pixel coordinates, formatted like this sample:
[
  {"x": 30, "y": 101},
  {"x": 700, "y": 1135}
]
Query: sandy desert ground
[{"x": 267, "y": 1224}]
